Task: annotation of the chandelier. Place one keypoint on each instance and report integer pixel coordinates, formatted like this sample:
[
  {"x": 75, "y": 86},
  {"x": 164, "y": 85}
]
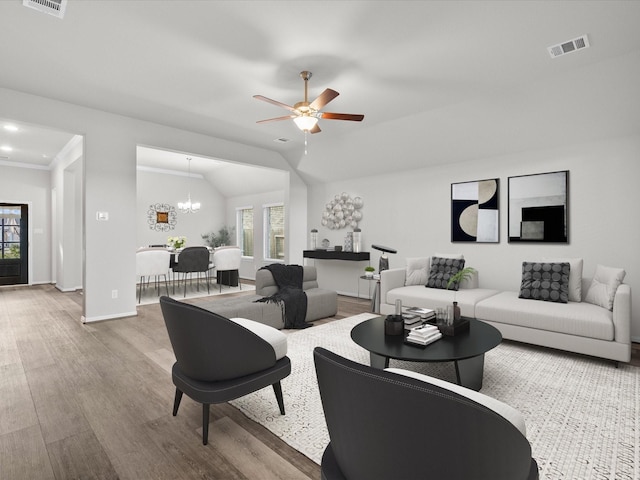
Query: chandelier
[{"x": 189, "y": 206}]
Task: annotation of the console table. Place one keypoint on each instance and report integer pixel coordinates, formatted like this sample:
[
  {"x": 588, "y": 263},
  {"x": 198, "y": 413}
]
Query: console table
[{"x": 333, "y": 255}]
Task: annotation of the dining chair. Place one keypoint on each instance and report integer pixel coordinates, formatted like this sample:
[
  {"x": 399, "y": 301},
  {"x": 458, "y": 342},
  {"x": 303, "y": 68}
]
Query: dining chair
[
  {"x": 152, "y": 262},
  {"x": 192, "y": 260},
  {"x": 227, "y": 260}
]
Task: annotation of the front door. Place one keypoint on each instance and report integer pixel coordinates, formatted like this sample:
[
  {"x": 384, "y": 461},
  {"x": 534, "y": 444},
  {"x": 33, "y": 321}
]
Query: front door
[{"x": 13, "y": 244}]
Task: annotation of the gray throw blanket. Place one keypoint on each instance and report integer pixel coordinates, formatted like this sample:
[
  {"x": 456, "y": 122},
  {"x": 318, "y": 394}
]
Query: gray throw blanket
[{"x": 290, "y": 295}]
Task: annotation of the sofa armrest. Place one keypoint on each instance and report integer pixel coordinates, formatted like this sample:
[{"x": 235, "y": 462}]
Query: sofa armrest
[
  {"x": 390, "y": 279},
  {"x": 622, "y": 314}
]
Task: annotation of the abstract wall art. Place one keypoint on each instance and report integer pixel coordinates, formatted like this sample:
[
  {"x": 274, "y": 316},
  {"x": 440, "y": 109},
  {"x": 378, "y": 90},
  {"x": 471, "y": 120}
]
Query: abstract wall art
[
  {"x": 475, "y": 214},
  {"x": 538, "y": 208}
]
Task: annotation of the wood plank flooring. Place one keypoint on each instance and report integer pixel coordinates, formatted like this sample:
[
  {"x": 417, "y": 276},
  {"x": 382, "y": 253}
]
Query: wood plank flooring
[{"x": 94, "y": 401}]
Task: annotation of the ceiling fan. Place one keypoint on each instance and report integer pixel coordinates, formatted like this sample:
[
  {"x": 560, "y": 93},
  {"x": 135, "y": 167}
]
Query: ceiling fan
[{"x": 305, "y": 114}]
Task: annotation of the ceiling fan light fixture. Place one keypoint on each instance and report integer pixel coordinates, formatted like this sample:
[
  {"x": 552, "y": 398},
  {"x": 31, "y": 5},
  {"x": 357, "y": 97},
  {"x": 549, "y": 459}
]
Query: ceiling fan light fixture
[{"x": 305, "y": 122}]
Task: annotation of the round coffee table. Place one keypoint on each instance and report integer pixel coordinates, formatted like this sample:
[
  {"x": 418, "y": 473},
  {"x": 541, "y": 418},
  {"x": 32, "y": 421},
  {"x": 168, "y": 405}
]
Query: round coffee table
[{"x": 466, "y": 349}]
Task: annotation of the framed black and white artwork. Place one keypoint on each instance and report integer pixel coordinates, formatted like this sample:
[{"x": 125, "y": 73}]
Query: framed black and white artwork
[
  {"x": 475, "y": 216},
  {"x": 539, "y": 208}
]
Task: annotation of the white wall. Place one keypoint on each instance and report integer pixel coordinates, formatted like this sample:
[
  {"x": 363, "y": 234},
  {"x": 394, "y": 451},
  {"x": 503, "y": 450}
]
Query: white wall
[
  {"x": 155, "y": 188},
  {"x": 410, "y": 211},
  {"x": 32, "y": 186},
  {"x": 250, "y": 265},
  {"x": 110, "y": 143},
  {"x": 67, "y": 181}
]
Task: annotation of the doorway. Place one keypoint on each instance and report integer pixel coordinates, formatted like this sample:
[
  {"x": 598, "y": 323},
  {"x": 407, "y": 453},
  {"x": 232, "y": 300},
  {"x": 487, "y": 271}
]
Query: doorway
[{"x": 14, "y": 252}]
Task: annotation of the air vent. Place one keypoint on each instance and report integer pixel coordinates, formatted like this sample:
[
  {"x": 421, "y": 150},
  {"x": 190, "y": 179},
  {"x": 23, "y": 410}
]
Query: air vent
[
  {"x": 568, "y": 46},
  {"x": 52, "y": 7},
  {"x": 282, "y": 140}
]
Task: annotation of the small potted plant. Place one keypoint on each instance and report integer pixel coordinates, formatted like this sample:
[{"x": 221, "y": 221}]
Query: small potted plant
[
  {"x": 464, "y": 274},
  {"x": 368, "y": 271}
]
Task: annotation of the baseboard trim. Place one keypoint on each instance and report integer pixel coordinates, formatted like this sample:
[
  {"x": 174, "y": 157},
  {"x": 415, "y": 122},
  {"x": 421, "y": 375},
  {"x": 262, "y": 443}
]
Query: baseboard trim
[{"x": 107, "y": 317}]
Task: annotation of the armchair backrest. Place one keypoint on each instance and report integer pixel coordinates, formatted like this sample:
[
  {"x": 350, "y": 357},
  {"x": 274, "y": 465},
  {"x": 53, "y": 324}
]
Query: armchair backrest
[
  {"x": 384, "y": 425},
  {"x": 266, "y": 285},
  {"x": 209, "y": 347},
  {"x": 227, "y": 258},
  {"x": 193, "y": 259}
]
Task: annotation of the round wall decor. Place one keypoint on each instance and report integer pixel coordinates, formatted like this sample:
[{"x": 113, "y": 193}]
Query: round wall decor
[{"x": 342, "y": 212}]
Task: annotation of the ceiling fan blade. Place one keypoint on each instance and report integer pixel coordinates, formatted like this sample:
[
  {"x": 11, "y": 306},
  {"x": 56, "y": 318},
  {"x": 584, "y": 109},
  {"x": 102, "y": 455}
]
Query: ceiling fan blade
[
  {"x": 342, "y": 116},
  {"x": 275, "y": 102},
  {"x": 277, "y": 119},
  {"x": 324, "y": 98},
  {"x": 315, "y": 129}
]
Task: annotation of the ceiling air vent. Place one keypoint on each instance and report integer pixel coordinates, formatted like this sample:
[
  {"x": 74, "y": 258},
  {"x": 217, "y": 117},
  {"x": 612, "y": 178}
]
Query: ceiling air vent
[
  {"x": 52, "y": 7},
  {"x": 568, "y": 46},
  {"x": 282, "y": 140}
]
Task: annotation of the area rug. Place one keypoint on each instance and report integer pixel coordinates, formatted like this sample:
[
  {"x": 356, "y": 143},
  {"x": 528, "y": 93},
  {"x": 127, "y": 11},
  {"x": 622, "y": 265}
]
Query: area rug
[{"x": 582, "y": 414}]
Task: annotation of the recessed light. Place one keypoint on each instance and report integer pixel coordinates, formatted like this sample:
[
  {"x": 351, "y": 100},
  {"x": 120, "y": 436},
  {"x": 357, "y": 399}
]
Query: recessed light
[
  {"x": 11, "y": 128},
  {"x": 6, "y": 148}
]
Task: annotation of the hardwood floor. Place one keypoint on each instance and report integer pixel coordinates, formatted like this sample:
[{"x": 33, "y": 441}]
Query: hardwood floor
[{"x": 94, "y": 401}]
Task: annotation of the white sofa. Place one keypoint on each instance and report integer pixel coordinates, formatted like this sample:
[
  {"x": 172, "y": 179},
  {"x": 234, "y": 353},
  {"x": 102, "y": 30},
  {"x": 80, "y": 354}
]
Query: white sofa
[{"x": 579, "y": 327}]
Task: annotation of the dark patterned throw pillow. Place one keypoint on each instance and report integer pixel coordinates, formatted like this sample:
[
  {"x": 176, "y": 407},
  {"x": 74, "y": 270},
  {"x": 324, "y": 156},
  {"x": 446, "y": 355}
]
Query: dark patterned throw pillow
[
  {"x": 545, "y": 281},
  {"x": 441, "y": 270}
]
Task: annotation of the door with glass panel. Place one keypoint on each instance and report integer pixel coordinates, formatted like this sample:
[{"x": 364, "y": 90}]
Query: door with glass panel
[{"x": 13, "y": 244}]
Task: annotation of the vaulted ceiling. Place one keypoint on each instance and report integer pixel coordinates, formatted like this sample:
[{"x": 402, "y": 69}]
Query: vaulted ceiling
[{"x": 438, "y": 81}]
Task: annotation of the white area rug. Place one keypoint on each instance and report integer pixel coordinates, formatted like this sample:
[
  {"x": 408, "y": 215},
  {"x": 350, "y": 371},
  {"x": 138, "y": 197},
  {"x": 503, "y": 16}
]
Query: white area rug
[{"x": 582, "y": 414}]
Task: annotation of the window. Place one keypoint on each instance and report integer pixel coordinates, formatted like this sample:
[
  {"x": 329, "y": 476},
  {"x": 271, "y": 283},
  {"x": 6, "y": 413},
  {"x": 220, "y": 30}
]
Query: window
[
  {"x": 10, "y": 232},
  {"x": 274, "y": 232},
  {"x": 245, "y": 230}
]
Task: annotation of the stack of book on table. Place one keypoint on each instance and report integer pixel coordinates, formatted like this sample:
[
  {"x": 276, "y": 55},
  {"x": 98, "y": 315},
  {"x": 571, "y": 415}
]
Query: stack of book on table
[
  {"x": 423, "y": 313},
  {"x": 411, "y": 320},
  {"x": 423, "y": 335}
]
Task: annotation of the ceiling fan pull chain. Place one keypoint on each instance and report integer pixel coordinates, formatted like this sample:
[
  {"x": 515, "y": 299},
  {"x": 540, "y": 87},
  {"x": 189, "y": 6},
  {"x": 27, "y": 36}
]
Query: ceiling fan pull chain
[{"x": 306, "y": 132}]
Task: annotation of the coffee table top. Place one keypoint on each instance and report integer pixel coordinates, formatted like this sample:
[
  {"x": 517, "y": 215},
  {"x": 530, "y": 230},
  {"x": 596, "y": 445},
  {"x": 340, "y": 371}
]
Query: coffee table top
[{"x": 480, "y": 338}]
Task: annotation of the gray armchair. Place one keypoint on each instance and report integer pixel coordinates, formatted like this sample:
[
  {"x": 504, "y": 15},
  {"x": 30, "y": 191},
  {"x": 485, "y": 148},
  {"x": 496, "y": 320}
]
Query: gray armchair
[
  {"x": 218, "y": 359},
  {"x": 386, "y": 425}
]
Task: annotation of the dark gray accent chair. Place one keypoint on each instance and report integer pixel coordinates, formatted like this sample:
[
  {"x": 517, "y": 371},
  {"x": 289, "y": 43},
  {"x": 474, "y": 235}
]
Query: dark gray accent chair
[
  {"x": 384, "y": 425},
  {"x": 192, "y": 260},
  {"x": 218, "y": 360}
]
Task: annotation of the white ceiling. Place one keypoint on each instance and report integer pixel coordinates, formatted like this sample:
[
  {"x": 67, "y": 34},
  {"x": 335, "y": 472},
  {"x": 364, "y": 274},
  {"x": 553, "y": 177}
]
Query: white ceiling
[{"x": 446, "y": 81}]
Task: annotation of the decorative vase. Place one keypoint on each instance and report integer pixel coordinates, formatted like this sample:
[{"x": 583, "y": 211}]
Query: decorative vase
[
  {"x": 456, "y": 312},
  {"x": 357, "y": 240}
]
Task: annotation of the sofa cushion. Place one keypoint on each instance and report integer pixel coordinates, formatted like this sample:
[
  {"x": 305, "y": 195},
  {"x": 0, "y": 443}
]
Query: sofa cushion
[
  {"x": 417, "y": 271},
  {"x": 321, "y": 303},
  {"x": 575, "y": 275},
  {"x": 573, "y": 318},
  {"x": 244, "y": 307},
  {"x": 272, "y": 336},
  {"x": 441, "y": 270},
  {"x": 418, "y": 296},
  {"x": 545, "y": 281},
  {"x": 603, "y": 287}
]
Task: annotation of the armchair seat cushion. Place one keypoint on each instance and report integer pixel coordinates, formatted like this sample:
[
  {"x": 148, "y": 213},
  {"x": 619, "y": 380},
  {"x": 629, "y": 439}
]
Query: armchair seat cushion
[{"x": 272, "y": 336}]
